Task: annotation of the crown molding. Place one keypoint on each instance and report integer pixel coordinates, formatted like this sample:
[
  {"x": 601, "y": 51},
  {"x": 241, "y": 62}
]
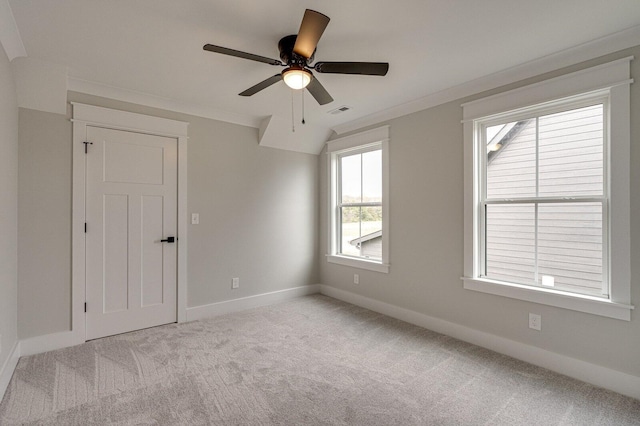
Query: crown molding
[
  {"x": 9, "y": 34},
  {"x": 75, "y": 84},
  {"x": 564, "y": 58}
]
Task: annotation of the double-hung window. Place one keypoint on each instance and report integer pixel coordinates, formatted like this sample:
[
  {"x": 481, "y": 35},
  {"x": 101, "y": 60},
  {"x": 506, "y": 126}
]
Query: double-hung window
[
  {"x": 547, "y": 195},
  {"x": 358, "y": 212},
  {"x": 543, "y": 202}
]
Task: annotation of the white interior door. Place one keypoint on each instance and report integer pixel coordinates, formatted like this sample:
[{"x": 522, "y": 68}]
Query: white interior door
[{"x": 131, "y": 205}]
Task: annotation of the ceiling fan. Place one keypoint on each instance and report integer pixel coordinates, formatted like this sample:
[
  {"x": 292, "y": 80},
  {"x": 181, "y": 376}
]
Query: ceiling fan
[{"x": 297, "y": 53}]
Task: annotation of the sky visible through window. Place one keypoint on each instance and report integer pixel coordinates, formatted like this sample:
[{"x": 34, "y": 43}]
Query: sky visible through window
[{"x": 362, "y": 177}]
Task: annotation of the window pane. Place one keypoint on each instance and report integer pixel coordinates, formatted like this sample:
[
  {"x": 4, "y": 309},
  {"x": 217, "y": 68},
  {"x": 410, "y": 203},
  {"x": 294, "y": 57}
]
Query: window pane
[
  {"x": 372, "y": 176},
  {"x": 511, "y": 160},
  {"x": 350, "y": 230},
  {"x": 510, "y": 242},
  {"x": 571, "y": 152},
  {"x": 351, "y": 173},
  {"x": 362, "y": 232},
  {"x": 570, "y": 247},
  {"x": 370, "y": 243}
]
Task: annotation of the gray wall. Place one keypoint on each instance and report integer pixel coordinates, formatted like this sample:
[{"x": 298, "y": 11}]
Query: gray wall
[
  {"x": 44, "y": 227},
  {"x": 258, "y": 214},
  {"x": 8, "y": 209},
  {"x": 427, "y": 148}
]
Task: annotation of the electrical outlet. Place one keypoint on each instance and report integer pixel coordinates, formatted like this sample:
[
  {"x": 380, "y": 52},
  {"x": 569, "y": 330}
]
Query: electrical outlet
[
  {"x": 235, "y": 282},
  {"x": 195, "y": 218},
  {"x": 535, "y": 321},
  {"x": 356, "y": 279}
]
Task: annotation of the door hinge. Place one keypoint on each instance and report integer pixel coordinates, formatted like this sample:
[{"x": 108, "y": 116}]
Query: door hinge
[
  {"x": 86, "y": 145},
  {"x": 85, "y": 306},
  {"x": 85, "y": 227}
]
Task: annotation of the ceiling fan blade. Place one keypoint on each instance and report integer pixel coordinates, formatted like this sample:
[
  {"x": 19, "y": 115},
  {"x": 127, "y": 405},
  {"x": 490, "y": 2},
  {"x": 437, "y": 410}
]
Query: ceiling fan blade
[
  {"x": 363, "y": 68},
  {"x": 239, "y": 54},
  {"x": 318, "y": 91},
  {"x": 262, "y": 85},
  {"x": 311, "y": 29}
]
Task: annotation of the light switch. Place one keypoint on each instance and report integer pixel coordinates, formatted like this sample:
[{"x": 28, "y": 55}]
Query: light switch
[{"x": 195, "y": 218}]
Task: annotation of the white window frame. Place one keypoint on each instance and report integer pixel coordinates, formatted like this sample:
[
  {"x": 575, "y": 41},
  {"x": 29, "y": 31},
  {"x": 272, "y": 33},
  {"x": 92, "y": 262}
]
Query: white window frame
[
  {"x": 360, "y": 142},
  {"x": 611, "y": 80}
]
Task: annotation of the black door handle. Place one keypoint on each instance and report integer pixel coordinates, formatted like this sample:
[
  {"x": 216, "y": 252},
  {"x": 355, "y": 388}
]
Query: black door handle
[{"x": 168, "y": 240}]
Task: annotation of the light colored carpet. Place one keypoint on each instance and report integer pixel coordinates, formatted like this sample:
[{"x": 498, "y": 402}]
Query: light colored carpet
[{"x": 313, "y": 360}]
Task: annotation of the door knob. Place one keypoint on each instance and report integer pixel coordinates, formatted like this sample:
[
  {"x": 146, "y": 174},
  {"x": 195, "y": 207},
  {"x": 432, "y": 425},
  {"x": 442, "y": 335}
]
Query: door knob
[{"x": 168, "y": 240}]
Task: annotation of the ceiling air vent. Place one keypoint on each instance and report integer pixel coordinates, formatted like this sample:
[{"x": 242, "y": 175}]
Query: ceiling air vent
[{"x": 340, "y": 110}]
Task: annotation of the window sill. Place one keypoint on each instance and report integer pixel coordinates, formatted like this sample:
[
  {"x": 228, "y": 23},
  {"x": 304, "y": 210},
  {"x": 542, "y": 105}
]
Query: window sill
[
  {"x": 371, "y": 265},
  {"x": 575, "y": 302}
]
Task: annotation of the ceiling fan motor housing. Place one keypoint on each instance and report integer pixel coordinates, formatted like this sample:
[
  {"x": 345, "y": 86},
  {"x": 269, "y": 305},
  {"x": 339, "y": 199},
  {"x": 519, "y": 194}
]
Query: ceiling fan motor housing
[{"x": 285, "y": 45}]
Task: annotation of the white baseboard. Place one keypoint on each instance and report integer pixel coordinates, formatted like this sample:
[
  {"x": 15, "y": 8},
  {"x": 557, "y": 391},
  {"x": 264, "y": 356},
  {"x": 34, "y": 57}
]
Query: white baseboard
[
  {"x": 48, "y": 342},
  {"x": 607, "y": 378},
  {"x": 228, "y": 306},
  {"x": 8, "y": 368}
]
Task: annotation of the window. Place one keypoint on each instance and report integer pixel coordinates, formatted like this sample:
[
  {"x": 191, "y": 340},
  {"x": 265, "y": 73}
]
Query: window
[
  {"x": 359, "y": 204},
  {"x": 358, "y": 201},
  {"x": 543, "y": 199},
  {"x": 547, "y": 192}
]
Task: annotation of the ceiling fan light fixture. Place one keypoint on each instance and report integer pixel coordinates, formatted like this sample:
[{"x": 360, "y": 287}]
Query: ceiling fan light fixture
[{"x": 297, "y": 77}]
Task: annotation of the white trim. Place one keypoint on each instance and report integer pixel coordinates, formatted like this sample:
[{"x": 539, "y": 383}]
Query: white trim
[
  {"x": 359, "y": 142},
  {"x": 243, "y": 303},
  {"x": 6, "y": 372},
  {"x": 599, "y": 77},
  {"x": 355, "y": 262},
  {"x": 183, "y": 228},
  {"x": 620, "y": 194},
  {"x": 609, "y": 44},
  {"x": 386, "y": 205},
  {"x": 48, "y": 342},
  {"x": 597, "y": 375},
  {"x": 551, "y": 297},
  {"x": 9, "y": 33},
  {"x": 84, "y": 115},
  {"x": 129, "y": 121},
  {"x": 78, "y": 296},
  {"x": 141, "y": 98},
  {"x": 363, "y": 138}
]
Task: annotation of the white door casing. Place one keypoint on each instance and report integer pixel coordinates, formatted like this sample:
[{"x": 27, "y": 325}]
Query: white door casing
[
  {"x": 134, "y": 296},
  {"x": 131, "y": 198}
]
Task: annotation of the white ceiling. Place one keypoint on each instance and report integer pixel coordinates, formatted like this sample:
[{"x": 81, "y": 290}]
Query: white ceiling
[{"x": 153, "y": 49}]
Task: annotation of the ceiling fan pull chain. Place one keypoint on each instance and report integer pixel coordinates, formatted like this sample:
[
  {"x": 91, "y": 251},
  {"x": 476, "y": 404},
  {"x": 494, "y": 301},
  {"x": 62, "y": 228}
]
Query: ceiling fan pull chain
[
  {"x": 293, "y": 122},
  {"x": 302, "y": 106}
]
